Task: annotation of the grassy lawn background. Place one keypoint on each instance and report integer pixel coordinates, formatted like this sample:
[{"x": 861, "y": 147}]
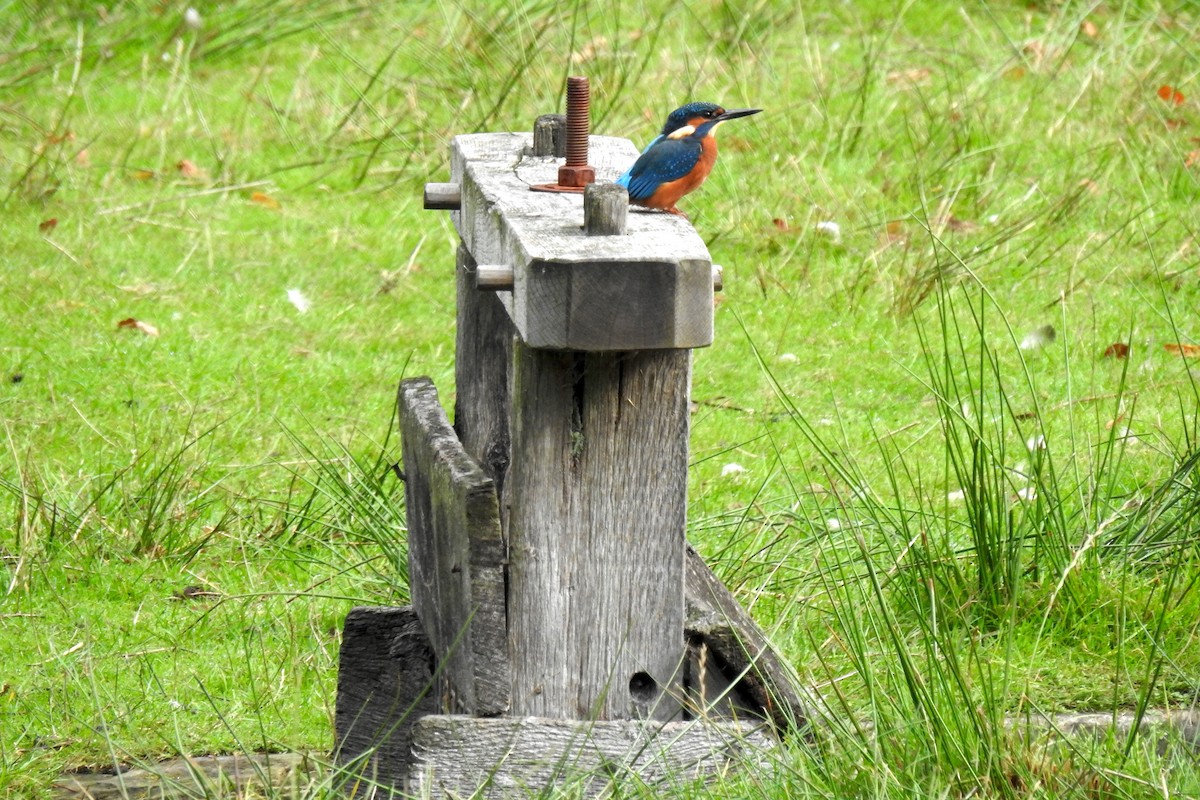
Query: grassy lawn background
[{"x": 186, "y": 517}]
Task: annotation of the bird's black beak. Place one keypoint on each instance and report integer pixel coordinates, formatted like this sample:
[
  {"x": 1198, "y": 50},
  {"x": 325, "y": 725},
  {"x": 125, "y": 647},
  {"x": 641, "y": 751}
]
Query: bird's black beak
[{"x": 738, "y": 112}]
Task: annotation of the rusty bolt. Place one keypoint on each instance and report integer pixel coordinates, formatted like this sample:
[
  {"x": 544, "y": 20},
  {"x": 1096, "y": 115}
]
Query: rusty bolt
[{"x": 576, "y": 172}]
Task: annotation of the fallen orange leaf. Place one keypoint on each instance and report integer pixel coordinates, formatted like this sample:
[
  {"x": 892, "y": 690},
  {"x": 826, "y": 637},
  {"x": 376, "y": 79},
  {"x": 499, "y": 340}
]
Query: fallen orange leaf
[
  {"x": 1116, "y": 350},
  {"x": 1089, "y": 29},
  {"x": 47, "y": 225},
  {"x": 1185, "y": 350},
  {"x": 138, "y": 325},
  {"x": 1171, "y": 94},
  {"x": 143, "y": 174},
  {"x": 1192, "y": 158},
  {"x": 264, "y": 199}
]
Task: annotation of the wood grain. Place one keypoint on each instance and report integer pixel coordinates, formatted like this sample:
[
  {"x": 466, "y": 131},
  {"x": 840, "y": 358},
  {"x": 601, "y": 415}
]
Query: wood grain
[
  {"x": 507, "y": 758},
  {"x": 456, "y": 555},
  {"x": 597, "y": 500},
  {"x": 385, "y": 675}
]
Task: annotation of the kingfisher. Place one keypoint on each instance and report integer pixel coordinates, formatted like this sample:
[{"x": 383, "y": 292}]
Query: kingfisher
[{"x": 679, "y": 158}]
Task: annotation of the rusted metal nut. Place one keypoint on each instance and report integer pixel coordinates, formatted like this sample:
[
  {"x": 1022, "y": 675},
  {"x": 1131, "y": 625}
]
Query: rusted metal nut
[{"x": 576, "y": 176}]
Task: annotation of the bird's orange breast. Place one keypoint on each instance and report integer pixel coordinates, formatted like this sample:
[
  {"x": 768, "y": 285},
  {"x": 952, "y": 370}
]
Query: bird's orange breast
[{"x": 669, "y": 193}]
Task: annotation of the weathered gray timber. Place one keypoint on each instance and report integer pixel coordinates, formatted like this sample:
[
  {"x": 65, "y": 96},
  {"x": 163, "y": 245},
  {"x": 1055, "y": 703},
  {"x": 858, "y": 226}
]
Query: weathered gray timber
[
  {"x": 385, "y": 677},
  {"x": 456, "y": 556},
  {"x": 597, "y": 509},
  {"x": 649, "y": 289},
  {"x": 547, "y": 528},
  {"x": 483, "y": 360},
  {"x": 605, "y": 209},
  {"x": 505, "y": 757}
]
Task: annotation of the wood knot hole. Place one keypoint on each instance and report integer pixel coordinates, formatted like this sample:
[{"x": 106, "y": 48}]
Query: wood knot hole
[{"x": 643, "y": 688}]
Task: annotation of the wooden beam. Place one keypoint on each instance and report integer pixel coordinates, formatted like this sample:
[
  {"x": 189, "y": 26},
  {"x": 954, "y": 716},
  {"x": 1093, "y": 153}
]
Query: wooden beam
[
  {"x": 506, "y": 758},
  {"x": 649, "y": 289},
  {"x": 597, "y": 502},
  {"x": 385, "y": 675}
]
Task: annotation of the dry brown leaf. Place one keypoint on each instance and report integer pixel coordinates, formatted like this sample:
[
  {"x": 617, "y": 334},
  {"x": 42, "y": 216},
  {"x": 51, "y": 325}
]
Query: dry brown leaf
[
  {"x": 47, "y": 225},
  {"x": 188, "y": 169},
  {"x": 1090, "y": 29},
  {"x": 82, "y": 159},
  {"x": 910, "y": 76},
  {"x": 781, "y": 224},
  {"x": 265, "y": 200},
  {"x": 143, "y": 174},
  {"x": 1192, "y": 158},
  {"x": 1108, "y": 426},
  {"x": 953, "y": 223},
  {"x": 1116, "y": 350},
  {"x": 1014, "y": 73},
  {"x": 1090, "y": 185},
  {"x": 1185, "y": 350},
  {"x": 138, "y": 325}
]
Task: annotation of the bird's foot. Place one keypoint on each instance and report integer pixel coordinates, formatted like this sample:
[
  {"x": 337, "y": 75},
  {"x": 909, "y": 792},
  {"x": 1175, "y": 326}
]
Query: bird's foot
[{"x": 675, "y": 210}]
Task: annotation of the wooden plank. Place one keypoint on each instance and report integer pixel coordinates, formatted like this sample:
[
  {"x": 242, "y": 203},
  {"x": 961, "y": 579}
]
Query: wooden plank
[
  {"x": 650, "y": 288},
  {"x": 483, "y": 356},
  {"x": 740, "y": 651},
  {"x": 505, "y": 758},
  {"x": 456, "y": 555},
  {"x": 597, "y": 501},
  {"x": 384, "y": 685}
]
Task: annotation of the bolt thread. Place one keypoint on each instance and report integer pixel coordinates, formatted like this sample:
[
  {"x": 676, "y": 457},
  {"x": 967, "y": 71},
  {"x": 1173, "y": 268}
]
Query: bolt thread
[{"x": 578, "y": 121}]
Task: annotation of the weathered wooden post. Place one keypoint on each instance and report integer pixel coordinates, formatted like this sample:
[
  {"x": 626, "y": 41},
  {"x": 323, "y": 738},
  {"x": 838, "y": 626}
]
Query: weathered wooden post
[{"x": 566, "y": 622}]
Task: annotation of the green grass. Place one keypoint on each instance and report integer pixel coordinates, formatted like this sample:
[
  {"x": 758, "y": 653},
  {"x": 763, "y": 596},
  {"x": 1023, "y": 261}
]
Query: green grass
[{"x": 994, "y": 168}]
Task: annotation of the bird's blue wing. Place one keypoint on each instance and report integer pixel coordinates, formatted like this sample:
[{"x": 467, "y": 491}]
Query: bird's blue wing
[
  {"x": 664, "y": 161},
  {"x": 624, "y": 179}
]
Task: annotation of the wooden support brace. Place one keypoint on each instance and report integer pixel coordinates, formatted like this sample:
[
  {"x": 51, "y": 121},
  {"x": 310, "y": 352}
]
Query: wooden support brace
[{"x": 456, "y": 556}]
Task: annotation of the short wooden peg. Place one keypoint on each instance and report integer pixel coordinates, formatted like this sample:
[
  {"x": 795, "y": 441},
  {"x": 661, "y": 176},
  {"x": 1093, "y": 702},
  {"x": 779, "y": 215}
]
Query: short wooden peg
[
  {"x": 605, "y": 208},
  {"x": 494, "y": 277},
  {"x": 443, "y": 197},
  {"x": 550, "y": 136}
]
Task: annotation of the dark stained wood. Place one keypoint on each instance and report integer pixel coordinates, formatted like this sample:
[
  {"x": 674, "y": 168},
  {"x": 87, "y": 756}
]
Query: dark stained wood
[
  {"x": 738, "y": 654},
  {"x": 597, "y": 499},
  {"x": 483, "y": 359},
  {"x": 385, "y": 675},
  {"x": 455, "y": 555}
]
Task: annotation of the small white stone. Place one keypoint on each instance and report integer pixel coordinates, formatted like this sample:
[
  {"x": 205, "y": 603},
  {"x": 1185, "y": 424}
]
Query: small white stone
[
  {"x": 1027, "y": 493},
  {"x": 833, "y": 524},
  {"x": 957, "y": 496},
  {"x": 191, "y": 18},
  {"x": 830, "y": 230},
  {"x": 732, "y": 469},
  {"x": 297, "y": 298},
  {"x": 1035, "y": 443},
  {"x": 788, "y": 358}
]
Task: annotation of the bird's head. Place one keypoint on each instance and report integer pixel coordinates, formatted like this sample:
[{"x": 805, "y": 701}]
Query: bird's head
[{"x": 700, "y": 117}]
